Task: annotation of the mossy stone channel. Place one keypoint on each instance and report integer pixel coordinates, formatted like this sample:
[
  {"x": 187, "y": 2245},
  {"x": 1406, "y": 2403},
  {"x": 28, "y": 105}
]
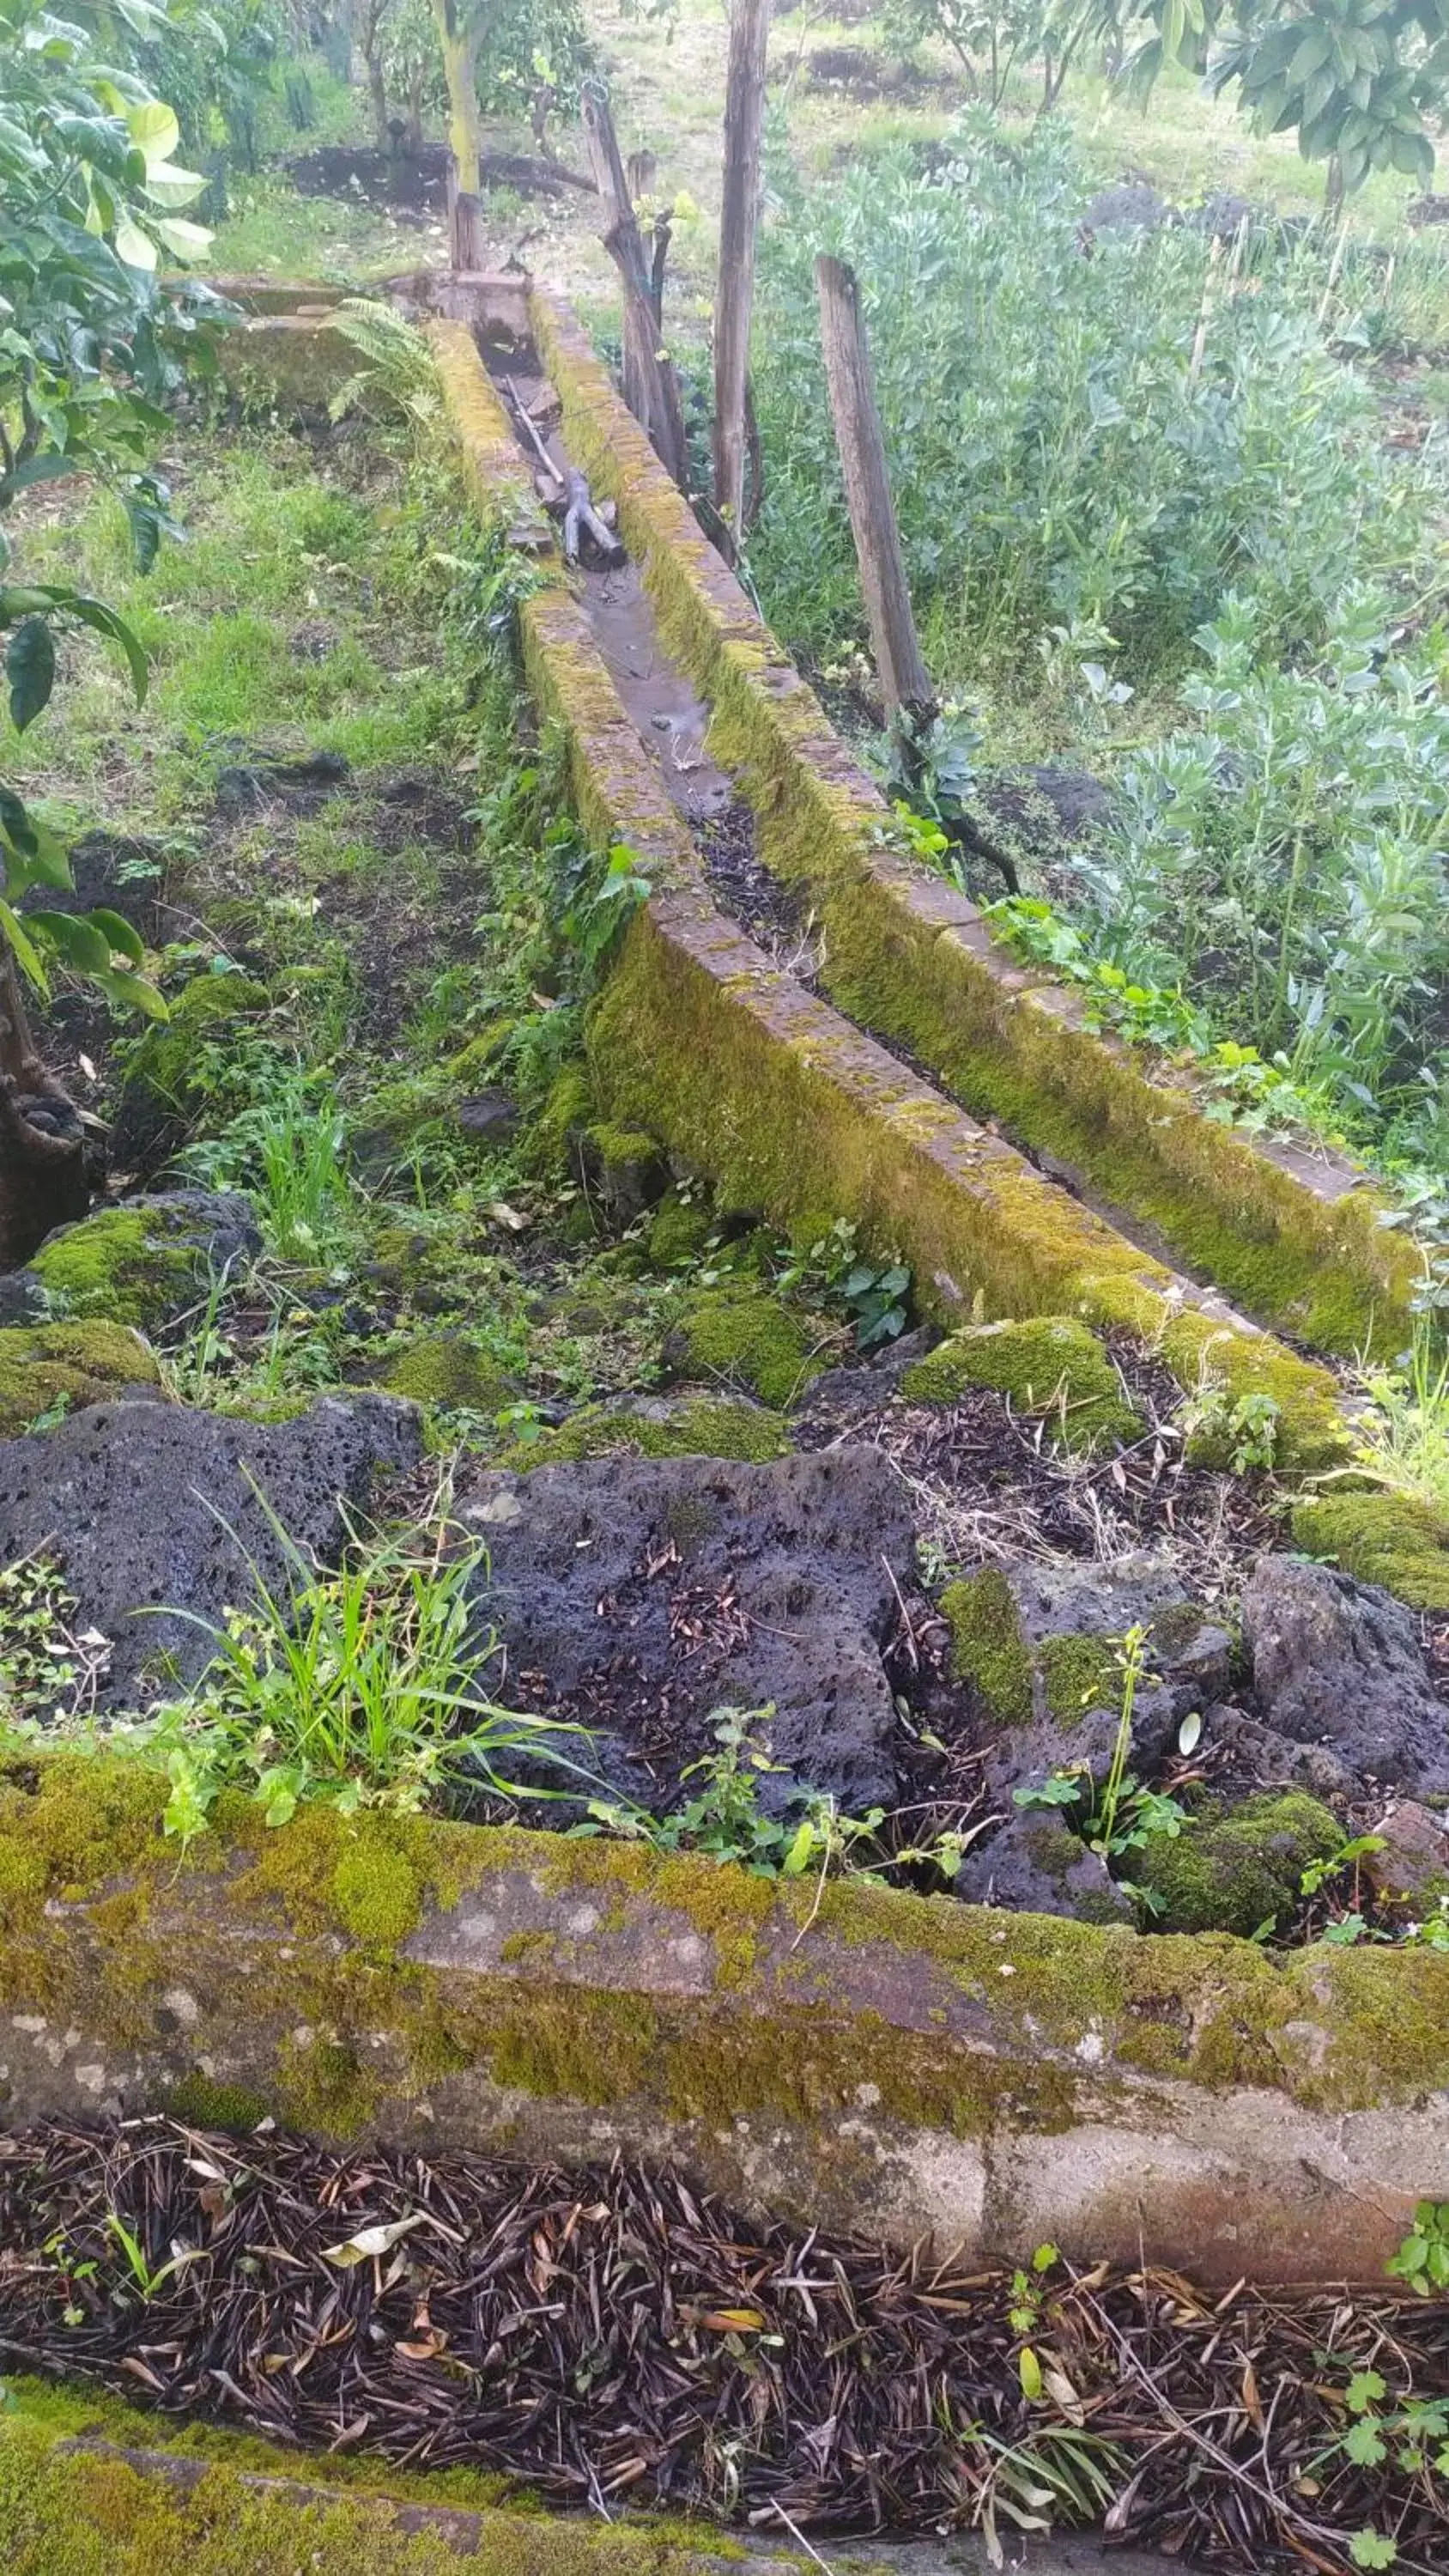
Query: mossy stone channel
[{"x": 870, "y": 2058}]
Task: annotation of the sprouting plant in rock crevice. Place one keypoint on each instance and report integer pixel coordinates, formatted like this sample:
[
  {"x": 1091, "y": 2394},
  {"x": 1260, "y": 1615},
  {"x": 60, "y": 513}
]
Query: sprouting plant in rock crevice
[
  {"x": 1119, "y": 1815},
  {"x": 358, "y": 1687}
]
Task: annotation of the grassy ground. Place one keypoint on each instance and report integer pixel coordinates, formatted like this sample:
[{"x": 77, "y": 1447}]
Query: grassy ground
[
  {"x": 272, "y": 230},
  {"x": 402, "y": 921}
]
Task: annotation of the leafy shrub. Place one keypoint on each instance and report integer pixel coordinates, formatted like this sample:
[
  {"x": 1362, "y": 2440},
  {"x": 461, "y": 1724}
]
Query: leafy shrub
[{"x": 1059, "y": 460}]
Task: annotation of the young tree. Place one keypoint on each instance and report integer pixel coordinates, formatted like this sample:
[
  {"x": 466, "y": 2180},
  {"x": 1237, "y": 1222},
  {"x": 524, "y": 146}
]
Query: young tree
[
  {"x": 735, "y": 289},
  {"x": 990, "y": 38},
  {"x": 89, "y": 193},
  {"x": 496, "y": 50}
]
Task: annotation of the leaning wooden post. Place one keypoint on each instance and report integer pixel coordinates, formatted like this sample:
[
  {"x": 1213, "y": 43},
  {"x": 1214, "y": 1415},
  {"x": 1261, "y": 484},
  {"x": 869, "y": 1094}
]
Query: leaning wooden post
[
  {"x": 905, "y": 681},
  {"x": 739, "y": 219},
  {"x": 650, "y": 384}
]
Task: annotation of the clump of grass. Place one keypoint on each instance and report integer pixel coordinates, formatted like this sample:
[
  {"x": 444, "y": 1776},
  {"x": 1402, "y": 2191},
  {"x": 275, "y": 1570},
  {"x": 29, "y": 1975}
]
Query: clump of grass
[
  {"x": 362, "y": 1687},
  {"x": 288, "y": 1149},
  {"x": 1401, "y": 1439}
]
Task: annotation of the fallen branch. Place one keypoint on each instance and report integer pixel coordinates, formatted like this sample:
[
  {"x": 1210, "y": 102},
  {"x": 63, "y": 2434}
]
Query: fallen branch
[{"x": 581, "y": 517}]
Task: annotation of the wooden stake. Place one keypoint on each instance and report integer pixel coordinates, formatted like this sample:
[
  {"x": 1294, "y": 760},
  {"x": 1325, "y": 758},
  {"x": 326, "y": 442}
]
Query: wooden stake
[
  {"x": 905, "y": 681},
  {"x": 739, "y": 221},
  {"x": 651, "y": 387}
]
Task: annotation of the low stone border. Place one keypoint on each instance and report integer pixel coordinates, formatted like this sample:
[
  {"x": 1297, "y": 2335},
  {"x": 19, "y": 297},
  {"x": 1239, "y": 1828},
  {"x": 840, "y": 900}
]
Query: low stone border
[
  {"x": 101, "y": 2483},
  {"x": 737, "y": 1068},
  {"x": 1294, "y": 1235},
  {"x": 861, "y": 2057}
]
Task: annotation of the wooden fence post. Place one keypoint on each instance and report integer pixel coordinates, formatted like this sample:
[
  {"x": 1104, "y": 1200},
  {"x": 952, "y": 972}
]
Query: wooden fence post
[
  {"x": 651, "y": 387},
  {"x": 739, "y": 220},
  {"x": 905, "y": 681}
]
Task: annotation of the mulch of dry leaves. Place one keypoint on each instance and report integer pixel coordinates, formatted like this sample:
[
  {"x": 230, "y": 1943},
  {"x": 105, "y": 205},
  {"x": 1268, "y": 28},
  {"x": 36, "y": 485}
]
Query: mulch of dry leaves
[{"x": 614, "y": 2336}]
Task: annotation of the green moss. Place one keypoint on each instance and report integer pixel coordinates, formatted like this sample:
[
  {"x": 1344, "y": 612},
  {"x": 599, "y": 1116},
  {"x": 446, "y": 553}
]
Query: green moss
[
  {"x": 205, "y": 2104},
  {"x": 1234, "y": 1869},
  {"x": 323, "y": 2086},
  {"x": 73, "y": 2512},
  {"x": 620, "y": 1147},
  {"x": 45, "y": 1366},
  {"x": 1050, "y": 1365},
  {"x": 69, "y": 2408},
  {"x": 132, "y": 1264},
  {"x": 704, "y": 1427},
  {"x": 482, "y": 1053},
  {"x": 569, "y": 1108},
  {"x": 748, "y": 1338},
  {"x": 163, "y": 1066},
  {"x": 448, "y": 1369},
  {"x": 1078, "y": 1673},
  {"x": 679, "y": 1230},
  {"x": 1381, "y": 1538},
  {"x": 378, "y": 1896},
  {"x": 988, "y": 1648}
]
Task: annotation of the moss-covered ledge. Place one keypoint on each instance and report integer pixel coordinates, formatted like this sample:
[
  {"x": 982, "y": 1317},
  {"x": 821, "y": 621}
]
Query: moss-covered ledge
[
  {"x": 1294, "y": 1236},
  {"x": 743, "y": 1074},
  {"x": 899, "y": 2062}
]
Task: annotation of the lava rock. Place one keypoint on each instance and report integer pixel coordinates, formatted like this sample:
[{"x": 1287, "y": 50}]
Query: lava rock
[
  {"x": 142, "y": 1261},
  {"x": 1339, "y": 1663},
  {"x": 1037, "y": 1865},
  {"x": 22, "y": 1298},
  {"x": 1413, "y": 1867},
  {"x": 1256, "y": 1756},
  {"x": 488, "y": 1117},
  {"x": 656, "y": 1591},
  {"x": 301, "y": 783},
  {"x": 152, "y": 1508},
  {"x": 1044, "y": 812},
  {"x": 1132, "y": 206}
]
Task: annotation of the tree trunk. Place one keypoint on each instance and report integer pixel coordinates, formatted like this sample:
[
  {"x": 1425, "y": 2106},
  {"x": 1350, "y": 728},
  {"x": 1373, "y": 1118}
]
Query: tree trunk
[
  {"x": 377, "y": 93},
  {"x": 905, "y": 681},
  {"x": 461, "y": 35},
  {"x": 651, "y": 387},
  {"x": 1333, "y": 185},
  {"x": 466, "y": 240},
  {"x": 42, "y": 1149},
  {"x": 739, "y": 219}
]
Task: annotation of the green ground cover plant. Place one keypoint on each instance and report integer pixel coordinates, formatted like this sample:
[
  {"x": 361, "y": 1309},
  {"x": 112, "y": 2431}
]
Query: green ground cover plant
[{"x": 360, "y": 1687}]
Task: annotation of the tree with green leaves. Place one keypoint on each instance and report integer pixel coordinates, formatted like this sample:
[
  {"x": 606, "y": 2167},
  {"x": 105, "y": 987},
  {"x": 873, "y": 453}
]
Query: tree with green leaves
[
  {"x": 495, "y": 53},
  {"x": 90, "y": 200},
  {"x": 1360, "y": 82},
  {"x": 991, "y": 39}
]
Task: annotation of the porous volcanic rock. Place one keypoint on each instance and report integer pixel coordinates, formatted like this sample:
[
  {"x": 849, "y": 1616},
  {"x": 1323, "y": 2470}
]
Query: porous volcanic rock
[
  {"x": 154, "y": 1508},
  {"x": 1339, "y": 1663},
  {"x": 642, "y": 1595}
]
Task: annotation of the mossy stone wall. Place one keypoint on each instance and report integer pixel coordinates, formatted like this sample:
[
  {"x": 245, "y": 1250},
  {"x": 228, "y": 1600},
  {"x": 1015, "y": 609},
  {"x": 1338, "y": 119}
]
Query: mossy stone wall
[
  {"x": 1294, "y": 1237},
  {"x": 879, "y": 2060},
  {"x": 742, "y": 1074}
]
